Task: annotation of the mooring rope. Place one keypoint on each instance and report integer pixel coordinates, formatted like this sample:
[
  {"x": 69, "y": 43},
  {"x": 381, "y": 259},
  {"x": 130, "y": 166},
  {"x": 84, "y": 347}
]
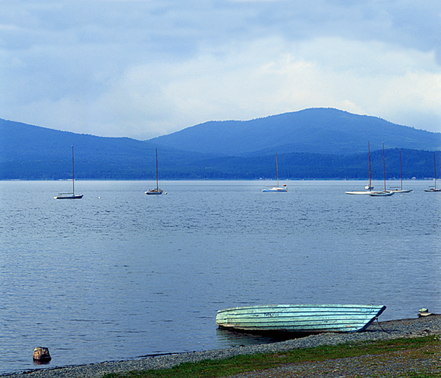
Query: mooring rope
[{"x": 379, "y": 325}]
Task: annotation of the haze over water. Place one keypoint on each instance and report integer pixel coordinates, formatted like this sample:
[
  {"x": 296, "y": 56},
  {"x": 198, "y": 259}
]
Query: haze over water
[{"x": 119, "y": 274}]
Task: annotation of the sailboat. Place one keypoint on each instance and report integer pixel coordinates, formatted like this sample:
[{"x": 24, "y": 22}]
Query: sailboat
[
  {"x": 384, "y": 192},
  {"x": 155, "y": 191},
  {"x": 70, "y": 195},
  {"x": 277, "y": 188},
  {"x": 433, "y": 189},
  {"x": 369, "y": 187},
  {"x": 400, "y": 190}
]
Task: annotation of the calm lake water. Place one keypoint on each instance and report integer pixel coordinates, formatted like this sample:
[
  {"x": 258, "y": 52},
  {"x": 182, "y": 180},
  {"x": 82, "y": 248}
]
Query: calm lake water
[{"x": 118, "y": 274}]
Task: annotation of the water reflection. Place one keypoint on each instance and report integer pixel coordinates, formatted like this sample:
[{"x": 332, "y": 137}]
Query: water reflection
[{"x": 42, "y": 362}]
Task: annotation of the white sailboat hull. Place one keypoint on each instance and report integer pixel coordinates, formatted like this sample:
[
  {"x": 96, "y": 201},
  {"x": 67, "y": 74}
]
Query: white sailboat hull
[
  {"x": 71, "y": 196},
  {"x": 279, "y": 190},
  {"x": 400, "y": 190},
  {"x": 153, "y": 192},
  {"x": 381, "y": 194},
  {"x": 359, "y": 193}
]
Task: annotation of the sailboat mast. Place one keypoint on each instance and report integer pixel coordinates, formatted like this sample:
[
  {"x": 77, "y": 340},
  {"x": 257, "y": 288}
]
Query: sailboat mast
[
  {"x": 384, "y": 169},
  {"x": 370, "y": 176},
  {"x": 73, "y": 173},
  {"x": 277, "y": 168},
  {"x": 434, "y": 167},
  {"x": 401, "y": 171},
  {"x": 157, "y": 177}
]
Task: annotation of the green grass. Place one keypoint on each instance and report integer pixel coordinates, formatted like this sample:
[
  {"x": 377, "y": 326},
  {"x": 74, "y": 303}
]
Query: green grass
[{"x": 416, "y": 347}]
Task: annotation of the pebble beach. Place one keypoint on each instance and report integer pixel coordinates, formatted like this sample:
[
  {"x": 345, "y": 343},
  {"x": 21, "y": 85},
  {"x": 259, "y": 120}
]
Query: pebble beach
[{"x": 422, "y": 326}]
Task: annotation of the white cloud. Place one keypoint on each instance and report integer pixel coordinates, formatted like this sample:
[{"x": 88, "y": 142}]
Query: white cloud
[{"x": 146, "y": 68}]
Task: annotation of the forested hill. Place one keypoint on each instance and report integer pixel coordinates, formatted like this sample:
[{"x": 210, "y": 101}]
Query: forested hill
[
  {"x": 319, "y": 130},
  {"x": 314, "y": 143}
]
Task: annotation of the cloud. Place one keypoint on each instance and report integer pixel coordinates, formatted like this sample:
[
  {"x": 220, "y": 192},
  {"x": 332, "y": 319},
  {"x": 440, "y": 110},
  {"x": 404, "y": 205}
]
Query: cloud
[{"x": 145, "y": 68}]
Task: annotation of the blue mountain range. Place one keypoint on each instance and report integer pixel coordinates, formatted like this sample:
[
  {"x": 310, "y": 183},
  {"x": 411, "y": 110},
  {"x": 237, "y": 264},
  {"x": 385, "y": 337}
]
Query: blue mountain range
[{"x": 313, "y": 143}]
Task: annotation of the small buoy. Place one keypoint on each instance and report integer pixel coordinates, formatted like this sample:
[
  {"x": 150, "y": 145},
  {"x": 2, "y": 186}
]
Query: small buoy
[
  {"x": 41, "y": 354},
  {"x": 423, "y": 312}
]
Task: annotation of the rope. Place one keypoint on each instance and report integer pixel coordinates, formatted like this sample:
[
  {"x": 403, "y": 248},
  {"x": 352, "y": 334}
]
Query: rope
[{"x": 380, "y": 325}]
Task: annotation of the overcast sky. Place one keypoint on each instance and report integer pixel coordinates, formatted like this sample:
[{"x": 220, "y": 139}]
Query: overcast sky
[{"x": 144, "y": 68}]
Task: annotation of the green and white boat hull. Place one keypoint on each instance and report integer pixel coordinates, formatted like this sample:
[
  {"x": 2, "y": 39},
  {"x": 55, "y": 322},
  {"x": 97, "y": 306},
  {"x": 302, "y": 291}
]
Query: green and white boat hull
[{"x": 299, "y": 318}]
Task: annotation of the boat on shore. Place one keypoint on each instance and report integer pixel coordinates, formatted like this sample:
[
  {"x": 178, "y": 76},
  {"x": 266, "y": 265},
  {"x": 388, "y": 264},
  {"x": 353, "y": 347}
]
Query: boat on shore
[
  {"x": 297, "y": 318},
  {"x": 276, "y": 189},
  {"x": 369, "y": 188},
  {"x": 70, "y": 195}
]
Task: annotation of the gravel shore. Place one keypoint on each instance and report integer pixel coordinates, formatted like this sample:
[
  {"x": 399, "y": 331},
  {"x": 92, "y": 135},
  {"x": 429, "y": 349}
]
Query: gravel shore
[{"x": 423, "y": 326}]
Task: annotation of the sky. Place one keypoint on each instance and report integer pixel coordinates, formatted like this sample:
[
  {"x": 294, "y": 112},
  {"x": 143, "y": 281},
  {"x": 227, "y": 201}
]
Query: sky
[{"x": 145, "y": 68}]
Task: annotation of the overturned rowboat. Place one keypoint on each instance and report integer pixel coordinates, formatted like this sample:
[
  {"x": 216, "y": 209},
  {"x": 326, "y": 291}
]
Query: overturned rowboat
[{"x": 299, "y": 318}]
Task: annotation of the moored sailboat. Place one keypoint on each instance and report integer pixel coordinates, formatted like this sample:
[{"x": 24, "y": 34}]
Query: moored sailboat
[
  {"x": 70, "y": 195},
  {"x": 400, "y": 190},
  {"x": 277, "y": 188},
  {"x": 433, "y": 189},
  {"x": 369, "y": 187},
  {"x": 155, "y": 191},
  {"x": 384, "y": 192}
]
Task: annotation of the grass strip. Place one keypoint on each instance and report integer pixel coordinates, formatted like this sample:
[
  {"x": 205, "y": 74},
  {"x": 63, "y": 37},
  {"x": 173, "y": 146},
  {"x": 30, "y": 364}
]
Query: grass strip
[{"x": 261, "y": 361}]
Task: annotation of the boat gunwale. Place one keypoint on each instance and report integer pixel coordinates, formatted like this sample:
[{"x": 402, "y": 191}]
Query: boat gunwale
[{"x": 302, "y": 306}]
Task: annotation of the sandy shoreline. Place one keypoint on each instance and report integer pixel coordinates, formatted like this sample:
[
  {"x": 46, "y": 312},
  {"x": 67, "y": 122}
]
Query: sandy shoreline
[{"x": 377, "y": 331}]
